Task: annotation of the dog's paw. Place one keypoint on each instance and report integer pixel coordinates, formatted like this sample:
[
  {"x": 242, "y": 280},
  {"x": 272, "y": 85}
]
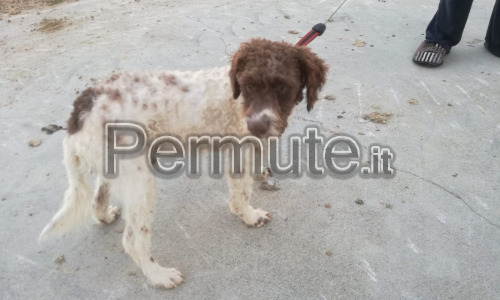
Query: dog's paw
[
  {"x": 165, "y": 277},
  {"x": 256, "y": 217},
  {"x": 111, "y": 214}
]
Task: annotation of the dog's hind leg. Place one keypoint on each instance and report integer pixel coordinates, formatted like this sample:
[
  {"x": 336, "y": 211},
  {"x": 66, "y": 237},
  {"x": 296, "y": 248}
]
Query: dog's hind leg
[
  {"x": 76, "y": 204},
  {"x": 139, "y": 194},
  {"x": 101, "y": 210}
]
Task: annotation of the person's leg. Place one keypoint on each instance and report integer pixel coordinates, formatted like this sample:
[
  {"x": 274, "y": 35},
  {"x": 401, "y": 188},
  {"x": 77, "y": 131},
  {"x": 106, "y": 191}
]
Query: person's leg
[
  {"x": 444, "y": 31},
  {"x": 447, "y": 25},
  {"x": 492, "y": 39}
]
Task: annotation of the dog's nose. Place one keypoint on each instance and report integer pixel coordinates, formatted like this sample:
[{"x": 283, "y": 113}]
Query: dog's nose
[{"x": 258, "y": 126}]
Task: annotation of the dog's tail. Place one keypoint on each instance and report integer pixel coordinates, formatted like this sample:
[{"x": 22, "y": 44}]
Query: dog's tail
[{"x": 75, "y": 208}]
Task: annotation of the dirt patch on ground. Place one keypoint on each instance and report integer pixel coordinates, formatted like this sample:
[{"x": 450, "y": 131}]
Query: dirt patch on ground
[
  {"x": 60, "y": 260},
  {"x": 50, "y": 25},
  {"x": 359, "y": 43},
  {"x": 413, "y": 101},
  {"x": 330, "y": 97},
  {"x": 378, "y": 117},
  {"x": 51, "y": 128},
  {"x": 14, "y": 7}
]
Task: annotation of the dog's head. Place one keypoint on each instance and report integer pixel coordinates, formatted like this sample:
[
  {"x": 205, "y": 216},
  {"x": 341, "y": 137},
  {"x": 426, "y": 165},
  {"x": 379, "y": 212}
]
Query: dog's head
[{"x": 271, "y": 77}]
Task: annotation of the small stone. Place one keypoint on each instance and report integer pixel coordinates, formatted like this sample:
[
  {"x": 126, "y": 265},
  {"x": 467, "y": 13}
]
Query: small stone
[
  {"x": 328, "y": 253},
  {"x": 389, "y": 206},
  {"x": 327, "y": 205},
  {"x": 359, "y": 202},
  {"x": 35, "y": 143}
]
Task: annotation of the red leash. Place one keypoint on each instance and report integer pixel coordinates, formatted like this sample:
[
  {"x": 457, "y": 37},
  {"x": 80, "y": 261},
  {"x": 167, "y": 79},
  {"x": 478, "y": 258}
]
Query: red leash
[{"x": 317, "y": 30}]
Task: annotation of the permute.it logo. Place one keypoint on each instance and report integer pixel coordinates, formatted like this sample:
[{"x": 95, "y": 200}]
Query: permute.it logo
[{"x": 310, "y": 153}]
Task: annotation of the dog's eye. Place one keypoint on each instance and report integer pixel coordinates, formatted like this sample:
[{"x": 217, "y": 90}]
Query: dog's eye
[
  {"x": 281, "y": 87},
  {"x": 249, "y": 87}
]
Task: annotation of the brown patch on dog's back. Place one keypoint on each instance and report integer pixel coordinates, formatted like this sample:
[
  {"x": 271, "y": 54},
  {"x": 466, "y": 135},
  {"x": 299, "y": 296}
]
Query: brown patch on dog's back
[
  {"x": 82, "y": 105},
  {"x": 113, "y": 77},
  {"x": 168, "y": 79},
  {"x": 114, "y": 95}
]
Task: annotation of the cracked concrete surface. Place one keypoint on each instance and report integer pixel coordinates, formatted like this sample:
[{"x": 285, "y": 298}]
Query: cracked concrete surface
[{"x": 431, "y": 232}]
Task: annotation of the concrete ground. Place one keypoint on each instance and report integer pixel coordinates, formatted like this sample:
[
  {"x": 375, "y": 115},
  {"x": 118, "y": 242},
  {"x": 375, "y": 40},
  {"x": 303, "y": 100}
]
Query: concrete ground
[{"x": 430, "y": 232}]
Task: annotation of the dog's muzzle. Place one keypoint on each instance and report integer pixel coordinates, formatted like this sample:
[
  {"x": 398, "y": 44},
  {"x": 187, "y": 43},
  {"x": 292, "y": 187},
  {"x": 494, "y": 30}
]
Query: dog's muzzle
[{"x": 259, "y": 125}]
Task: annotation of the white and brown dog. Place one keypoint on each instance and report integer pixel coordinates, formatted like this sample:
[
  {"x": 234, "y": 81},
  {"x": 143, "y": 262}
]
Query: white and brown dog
[{"x": 255, "y": 95}]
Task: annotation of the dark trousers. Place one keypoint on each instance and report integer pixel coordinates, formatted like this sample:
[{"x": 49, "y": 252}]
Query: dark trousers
[{"x": 448, "y": 24}]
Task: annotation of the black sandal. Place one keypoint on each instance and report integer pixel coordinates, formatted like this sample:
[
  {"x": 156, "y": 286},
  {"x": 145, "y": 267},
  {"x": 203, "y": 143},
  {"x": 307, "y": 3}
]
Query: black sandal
[{"x": 430, "y": 54}]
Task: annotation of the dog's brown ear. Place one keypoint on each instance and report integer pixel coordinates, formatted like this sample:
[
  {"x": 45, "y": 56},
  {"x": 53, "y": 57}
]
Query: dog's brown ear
[
  {"x": 313, "y": 72},
  {"x": 235, "y": 65}
]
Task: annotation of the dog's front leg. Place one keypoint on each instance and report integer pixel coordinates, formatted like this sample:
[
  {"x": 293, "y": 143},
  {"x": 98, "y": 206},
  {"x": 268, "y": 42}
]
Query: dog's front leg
[
  {"x": 240, "y": 192},
  {"x": 139, "y": 196},
  {"x": 264, "y": 176}
]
